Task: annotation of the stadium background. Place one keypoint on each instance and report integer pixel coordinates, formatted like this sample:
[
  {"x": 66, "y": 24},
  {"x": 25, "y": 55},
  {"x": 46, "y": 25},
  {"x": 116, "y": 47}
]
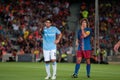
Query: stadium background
[
  {"x": 20, "y": 21},
  {"x": 20, "y": 42}
]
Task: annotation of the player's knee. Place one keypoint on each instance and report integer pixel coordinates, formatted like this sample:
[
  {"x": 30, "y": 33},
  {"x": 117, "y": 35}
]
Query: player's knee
[
  {"x": 78, "y": 61},
  {"x": 53, "y": 60},
  {"x": 88, "y": 61},
  {"x": 54, "y": 63},
  {"x": 47, "y": 61}
]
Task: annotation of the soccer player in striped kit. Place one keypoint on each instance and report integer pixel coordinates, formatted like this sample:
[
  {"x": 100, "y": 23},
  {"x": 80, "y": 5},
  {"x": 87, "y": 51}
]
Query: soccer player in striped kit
[
  {"x": 83, "y": 42},
  {"x": 50, "y": 42}
]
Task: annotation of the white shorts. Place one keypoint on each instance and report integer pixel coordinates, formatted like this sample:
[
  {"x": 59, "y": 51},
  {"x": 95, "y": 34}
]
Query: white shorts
[{"x": 49, "y": 55}]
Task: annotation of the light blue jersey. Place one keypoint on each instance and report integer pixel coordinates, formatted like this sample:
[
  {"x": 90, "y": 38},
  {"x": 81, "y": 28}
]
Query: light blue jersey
[{"x": 49, "y": 37}]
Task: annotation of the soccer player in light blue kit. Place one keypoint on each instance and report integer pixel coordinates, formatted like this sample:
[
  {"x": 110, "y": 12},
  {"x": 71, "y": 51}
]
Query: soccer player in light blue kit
[
  {"x": 51, "y": 37},
  {"x": 83, "y": 42}
]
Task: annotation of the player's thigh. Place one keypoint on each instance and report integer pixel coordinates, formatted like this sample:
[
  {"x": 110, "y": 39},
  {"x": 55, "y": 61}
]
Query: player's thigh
[
  {"x": 87, "y": 54},
  {"x": 79, "y": 54},
  {"x": 46, "y": 55},
  {"x": 53, "y": 54}
]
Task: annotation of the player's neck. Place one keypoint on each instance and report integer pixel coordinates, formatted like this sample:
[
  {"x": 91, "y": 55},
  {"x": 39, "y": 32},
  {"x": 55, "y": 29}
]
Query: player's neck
[{"x": 47, "y": 26}]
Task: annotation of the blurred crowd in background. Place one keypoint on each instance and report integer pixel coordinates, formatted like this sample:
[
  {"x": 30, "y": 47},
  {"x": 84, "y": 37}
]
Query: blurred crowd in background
[{"x": 21, "y": 21}]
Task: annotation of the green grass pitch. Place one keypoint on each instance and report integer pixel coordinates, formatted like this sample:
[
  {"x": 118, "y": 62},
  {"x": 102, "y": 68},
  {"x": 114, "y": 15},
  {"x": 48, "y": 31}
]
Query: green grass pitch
[{"x": 36, "y": 71}]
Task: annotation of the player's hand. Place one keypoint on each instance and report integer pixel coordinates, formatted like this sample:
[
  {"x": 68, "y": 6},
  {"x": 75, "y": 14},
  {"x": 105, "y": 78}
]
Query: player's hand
[
  {"x": 57, "y": 41},
  {"x": 82, "y": 27}
]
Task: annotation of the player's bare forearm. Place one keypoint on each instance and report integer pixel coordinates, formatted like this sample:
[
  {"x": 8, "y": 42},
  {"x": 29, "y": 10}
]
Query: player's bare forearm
[
  {"x": 41, "y": 31},
  {"x": 58, "y": 39},
  {"x": 84, "y": 34},
  {"x": 76, "y": 42}
]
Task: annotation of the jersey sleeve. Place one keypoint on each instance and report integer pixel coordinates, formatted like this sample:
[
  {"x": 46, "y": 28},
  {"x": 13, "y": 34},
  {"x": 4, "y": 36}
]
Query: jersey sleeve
[
  {"x": 88, "y": 31},
  {"x": 57, "y": 30}
]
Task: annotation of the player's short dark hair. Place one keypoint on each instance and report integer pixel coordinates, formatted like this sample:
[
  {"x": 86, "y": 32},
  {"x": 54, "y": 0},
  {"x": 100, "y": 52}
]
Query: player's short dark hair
[{"x": 48, "y": 20}]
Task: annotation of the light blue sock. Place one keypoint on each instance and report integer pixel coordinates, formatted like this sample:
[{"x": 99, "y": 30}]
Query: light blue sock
[
  {"x": 47, "y": 67},
  {"x": 54, "y": 65}
]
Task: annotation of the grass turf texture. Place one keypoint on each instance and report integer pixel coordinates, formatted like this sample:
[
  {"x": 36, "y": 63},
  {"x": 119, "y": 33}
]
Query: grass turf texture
[{"x": 36, "y": 71}]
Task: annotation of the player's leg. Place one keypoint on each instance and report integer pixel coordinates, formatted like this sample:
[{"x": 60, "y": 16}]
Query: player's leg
[
  {"x": 87, "y": 55},
  {"x": 54, "y": 63},
  {"x": 47, "y": 63},
  {"x": 77, "y": 66},
  {"x": 88, "y": 67}
]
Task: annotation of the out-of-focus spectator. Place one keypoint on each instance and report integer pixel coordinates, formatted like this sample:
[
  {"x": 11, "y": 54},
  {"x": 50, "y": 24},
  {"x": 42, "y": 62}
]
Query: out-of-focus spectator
[
  {"x": 21, "y": 52},
  {"x": 26, "y": 34},
  {"x": 103, "y": 55}
]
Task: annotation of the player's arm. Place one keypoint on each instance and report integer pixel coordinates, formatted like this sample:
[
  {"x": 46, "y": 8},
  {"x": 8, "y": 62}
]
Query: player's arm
[
  {"x": 76, "y": 43},
  {"x": 58, "y": 38},
  {"x": 85, "y": 33},
  {"x": 41, "y": 30}
]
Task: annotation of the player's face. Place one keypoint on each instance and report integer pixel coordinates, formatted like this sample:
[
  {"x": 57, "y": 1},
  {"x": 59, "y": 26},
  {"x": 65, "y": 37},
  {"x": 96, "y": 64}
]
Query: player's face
[
  {"x": 84, "y": 23},
  {"x": 48, "y": 23}
]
